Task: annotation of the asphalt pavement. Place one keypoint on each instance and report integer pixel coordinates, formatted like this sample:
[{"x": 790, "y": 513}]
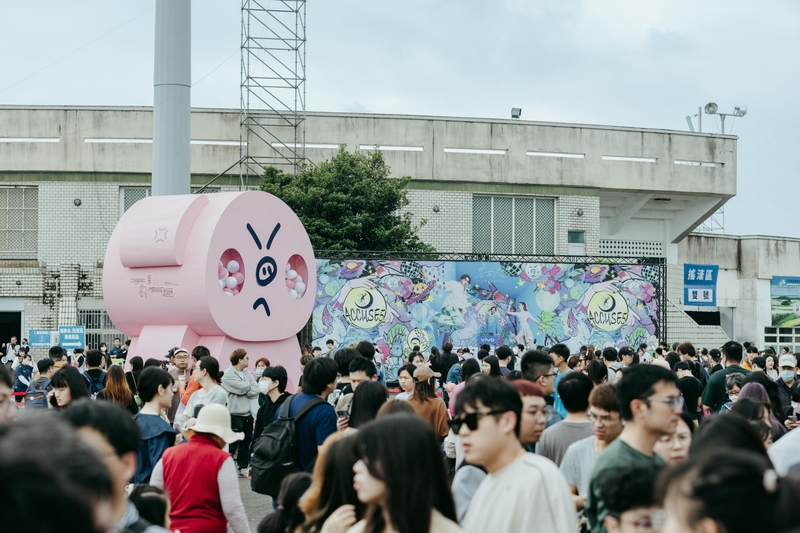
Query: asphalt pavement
[{"x": 256, "y": 505}]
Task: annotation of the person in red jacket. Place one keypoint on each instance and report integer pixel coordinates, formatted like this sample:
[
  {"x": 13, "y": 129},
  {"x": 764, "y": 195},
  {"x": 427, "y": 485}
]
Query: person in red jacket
[{"x": 201, "y": 478}]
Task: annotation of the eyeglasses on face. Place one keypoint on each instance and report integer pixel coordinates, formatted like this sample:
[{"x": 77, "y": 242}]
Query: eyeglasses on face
[
  {"x": 605, "y": 419},
  {"x": 675, "y": 402},
  {"x": 471, "y": 420}
]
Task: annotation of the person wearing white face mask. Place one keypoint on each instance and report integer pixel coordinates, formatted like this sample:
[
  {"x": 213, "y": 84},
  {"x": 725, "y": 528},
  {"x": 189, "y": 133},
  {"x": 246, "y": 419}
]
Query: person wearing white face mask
[
  {"x": 788, "y": 370},
  {"x": 272, "y": 385}
]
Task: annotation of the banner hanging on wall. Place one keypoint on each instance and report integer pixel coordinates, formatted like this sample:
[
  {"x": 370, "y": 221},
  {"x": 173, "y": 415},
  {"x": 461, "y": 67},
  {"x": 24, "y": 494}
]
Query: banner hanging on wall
[
  {"x": 398, "y": 304},
  {"x": 785, "y": 301}
]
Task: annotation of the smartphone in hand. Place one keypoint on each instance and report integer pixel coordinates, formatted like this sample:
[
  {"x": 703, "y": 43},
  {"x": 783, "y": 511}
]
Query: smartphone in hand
[{"x": 343, "y": 413}]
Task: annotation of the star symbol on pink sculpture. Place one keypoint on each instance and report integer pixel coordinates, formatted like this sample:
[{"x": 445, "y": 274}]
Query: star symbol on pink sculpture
[{"x": 161, "y": 235}]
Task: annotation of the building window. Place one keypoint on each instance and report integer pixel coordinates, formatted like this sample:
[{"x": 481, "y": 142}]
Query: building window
[
  {"x": 131, "y": 195},
  {"x": 510, "y": 225},
  {"x": 99, "y": 328},
  {"x": 19, "y": 222},
  {"x": 576, "y": 243}
]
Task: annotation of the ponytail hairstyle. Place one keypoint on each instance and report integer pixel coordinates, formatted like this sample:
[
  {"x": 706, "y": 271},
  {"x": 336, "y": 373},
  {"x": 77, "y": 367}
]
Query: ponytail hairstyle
[
  {"x": 706, "y": 484},
  {"x": 211, "y": 365},
  {"x": 288, "y": 516}
]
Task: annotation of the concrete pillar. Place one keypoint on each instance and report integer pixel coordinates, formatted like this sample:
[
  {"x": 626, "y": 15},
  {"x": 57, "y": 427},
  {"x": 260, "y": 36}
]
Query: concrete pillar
[{"x": 172, "y": 98}]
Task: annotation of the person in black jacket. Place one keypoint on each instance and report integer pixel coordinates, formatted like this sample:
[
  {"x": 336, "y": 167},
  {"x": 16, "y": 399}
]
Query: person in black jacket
[
  {"x": 448, "y": 358},
  {"x": 273, "y": 385}
]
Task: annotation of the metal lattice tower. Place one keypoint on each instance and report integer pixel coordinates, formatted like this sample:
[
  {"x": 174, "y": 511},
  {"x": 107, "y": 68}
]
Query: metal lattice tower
[
  {"x": 273, "y": 89},
  {"x": 715, "y": 223}
]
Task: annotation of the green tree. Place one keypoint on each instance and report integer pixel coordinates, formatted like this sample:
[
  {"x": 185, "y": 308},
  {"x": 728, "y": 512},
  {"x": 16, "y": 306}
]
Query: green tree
[{"x": 349, "y": 203}]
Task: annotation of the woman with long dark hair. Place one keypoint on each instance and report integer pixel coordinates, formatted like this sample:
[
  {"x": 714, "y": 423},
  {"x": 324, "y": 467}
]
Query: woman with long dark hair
[
  {"x": 427, "y": 405},
  {"x": 207, "y": 374},
  {"x": 117, "y": 390},
  {"x": 68, "y": 386},
  {"x": 597, "y": 372},
  {"x": 132, "y": 376},
  {"x": 367, "y": 400},
  {"x": 491, "y": 367},
  {"x": 331, "y": 502},
  {"x": 397, "y": 501},
  {"x": 288, "y": 516},
  {"x": 156, "y": 388}
]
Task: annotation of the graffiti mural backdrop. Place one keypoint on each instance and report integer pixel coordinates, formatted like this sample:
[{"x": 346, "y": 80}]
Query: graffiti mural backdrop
[{"x": 402, "y": 303}]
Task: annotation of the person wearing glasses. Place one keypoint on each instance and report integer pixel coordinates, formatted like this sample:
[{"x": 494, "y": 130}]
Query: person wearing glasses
[
  {"x": 581, "y": 456},
  {"x": 650, "y": 404},
  {"x": 632, "y": 503},
  {"x": 538, "y": 367},
  {"x": 522, "y": 491}
]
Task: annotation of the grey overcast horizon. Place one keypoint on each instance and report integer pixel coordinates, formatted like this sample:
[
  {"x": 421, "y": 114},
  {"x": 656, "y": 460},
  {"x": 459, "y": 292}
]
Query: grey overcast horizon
[{"x": 612, "y": 62}]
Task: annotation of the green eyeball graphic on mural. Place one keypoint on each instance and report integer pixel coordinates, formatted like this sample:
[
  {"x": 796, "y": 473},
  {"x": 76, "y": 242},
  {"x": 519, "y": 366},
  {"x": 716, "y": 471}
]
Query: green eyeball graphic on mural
[
  {"x": 364, "y": 308},
  {"x": 607, "y": 311}
]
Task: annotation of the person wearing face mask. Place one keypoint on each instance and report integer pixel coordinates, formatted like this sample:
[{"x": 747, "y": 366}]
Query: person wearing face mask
[
  {"x": 788, "y": 370},
  {"x": 733, "y": 385},
  {"x": 273, "y": 386},
  {"x": 23, "y": 375}
]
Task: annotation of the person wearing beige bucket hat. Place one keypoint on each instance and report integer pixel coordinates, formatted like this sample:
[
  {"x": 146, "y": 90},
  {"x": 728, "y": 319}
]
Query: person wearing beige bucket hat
[
  {"x": 201, "y": 478},
  {"x": 426, "y": 404}
]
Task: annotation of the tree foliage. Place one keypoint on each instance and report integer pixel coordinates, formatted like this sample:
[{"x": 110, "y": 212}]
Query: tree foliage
[{"x": 349, "y": 203}]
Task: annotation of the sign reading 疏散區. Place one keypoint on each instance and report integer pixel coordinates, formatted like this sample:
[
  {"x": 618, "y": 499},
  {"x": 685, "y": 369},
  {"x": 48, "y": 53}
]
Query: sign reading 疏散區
[{"x": 700, "y": 285}]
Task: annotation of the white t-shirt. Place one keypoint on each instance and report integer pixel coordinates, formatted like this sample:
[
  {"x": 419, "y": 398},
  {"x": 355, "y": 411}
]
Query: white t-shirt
[
  {"x": 578, "y": 463},
  {"x": 200, "y": 397},
  {"x": 529, "y": 494}
]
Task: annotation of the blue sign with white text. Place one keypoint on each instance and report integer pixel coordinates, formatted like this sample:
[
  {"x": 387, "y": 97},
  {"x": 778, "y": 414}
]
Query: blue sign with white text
[
  {"x": 700, "y": 285},
  {"x": 40, "y": 338},
  {"x": 72, "y": 337}
]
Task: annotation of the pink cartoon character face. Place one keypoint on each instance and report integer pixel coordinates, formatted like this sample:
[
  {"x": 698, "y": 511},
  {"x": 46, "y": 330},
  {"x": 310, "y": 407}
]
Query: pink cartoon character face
[{"x": 228, "y": 269}]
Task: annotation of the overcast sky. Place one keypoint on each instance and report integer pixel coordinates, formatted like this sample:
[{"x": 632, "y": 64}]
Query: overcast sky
[{"x": 618, "y": 62}]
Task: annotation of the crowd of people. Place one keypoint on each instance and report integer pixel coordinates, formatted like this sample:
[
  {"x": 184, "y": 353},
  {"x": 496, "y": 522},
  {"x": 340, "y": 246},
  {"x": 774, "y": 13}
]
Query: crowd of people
[{"x": 631, "y": 440}]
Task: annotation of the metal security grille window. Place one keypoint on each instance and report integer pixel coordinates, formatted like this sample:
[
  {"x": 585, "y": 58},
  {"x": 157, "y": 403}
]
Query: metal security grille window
[
  {"x": 511, "y": 225},
  {"x": 131, "y": 195},
  {"x": 99, "y": 328},
  {"x": 610, "y": 247},
  {"x": 19, "y": 222}
]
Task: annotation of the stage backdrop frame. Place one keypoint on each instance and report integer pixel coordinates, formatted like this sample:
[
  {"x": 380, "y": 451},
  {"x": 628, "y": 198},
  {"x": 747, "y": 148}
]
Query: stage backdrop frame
[{"x": 602, "y": 264}]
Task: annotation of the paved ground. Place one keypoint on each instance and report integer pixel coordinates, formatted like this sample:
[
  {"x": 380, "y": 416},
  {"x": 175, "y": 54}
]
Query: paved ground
[{"x": 257, "y": 505}]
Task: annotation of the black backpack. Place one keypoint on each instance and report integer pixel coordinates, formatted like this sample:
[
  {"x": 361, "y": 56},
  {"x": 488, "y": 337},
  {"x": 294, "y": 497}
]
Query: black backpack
[
  {"x": 95, "y": 385},
  {"x": 276, "y": 453}
]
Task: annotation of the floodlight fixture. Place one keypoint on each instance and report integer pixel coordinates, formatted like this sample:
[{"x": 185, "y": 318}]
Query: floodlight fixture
[
  {"x": 711, "y": 108},
  {"x": 516, "y": 112},
  {"x": 740, "y": 111}
]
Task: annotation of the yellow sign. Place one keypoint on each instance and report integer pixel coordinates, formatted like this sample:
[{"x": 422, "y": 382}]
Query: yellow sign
[
  {"x": 607, "y": 311},
  {"x": 364, "y": 308}
]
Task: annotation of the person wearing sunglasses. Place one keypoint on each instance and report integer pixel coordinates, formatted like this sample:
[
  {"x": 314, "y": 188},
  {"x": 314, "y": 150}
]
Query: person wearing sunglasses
[
  {"x": 522, "y": 491},
  {"x": 650, "y": 404}
]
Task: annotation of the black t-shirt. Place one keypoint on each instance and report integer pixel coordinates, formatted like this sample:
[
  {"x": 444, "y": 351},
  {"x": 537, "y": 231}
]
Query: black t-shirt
[{"x": 691, "y": 389}]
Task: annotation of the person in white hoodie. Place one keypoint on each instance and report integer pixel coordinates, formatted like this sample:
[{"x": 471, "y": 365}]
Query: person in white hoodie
[{"x": 242, "y": 389}]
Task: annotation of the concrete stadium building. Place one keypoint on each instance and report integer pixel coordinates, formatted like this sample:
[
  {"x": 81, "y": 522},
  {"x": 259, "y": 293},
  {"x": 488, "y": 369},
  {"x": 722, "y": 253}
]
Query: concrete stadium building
[{"x": 483, "y": 185}]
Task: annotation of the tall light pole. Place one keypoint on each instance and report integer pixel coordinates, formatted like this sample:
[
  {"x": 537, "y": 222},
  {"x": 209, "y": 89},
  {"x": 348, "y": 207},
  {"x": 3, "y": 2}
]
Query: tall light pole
[{"x": 172, "y": 98}]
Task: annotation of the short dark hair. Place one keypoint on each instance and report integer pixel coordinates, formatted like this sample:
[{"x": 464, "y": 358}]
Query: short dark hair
[
  {"x": 152, "y": 362},
  {"x": 56, "y": 353},
  {"x": 503, "y": 352},
  {"x": 752, "y": 349},
  {"x": 277, "y": 373},
  {"x": 329, "y": 341},
  {"x": 150, "y": 379},
  {"x": 44, "y": 365},
  {"x": 316, "y": 349},
  {"x": 110, "y": 420},
  {"x": 560, "y": 350},
  {"x": 760, "y": 362},
  {"x": 366, "y": 349},
  {"x": 682, "y": 365},
  {"x": 151, "y": 502},
  {"x": 638, "y": 383},
  {"x": 574, "y": 390},
  {"x": 610, "y": 354},
  {"x": 732, "y": 351},
  {"x": 343, "y": 356},
  {"x": 318, "y": 374},
  {"x": 199, "y": 352},
  {"x": 629, "y": 487},
  {"x": 687, "y": 348},
  {"x": 94, "y": 358},
  {"x": 496, "y": 394},
  {"x": 534, "y": 364},
  {"x": 483, "y": 354},
  {"x": 362, "y": 364}
]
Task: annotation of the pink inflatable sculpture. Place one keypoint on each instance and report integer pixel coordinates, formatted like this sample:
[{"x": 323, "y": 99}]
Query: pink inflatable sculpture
[{"x": 225, "y": 270}]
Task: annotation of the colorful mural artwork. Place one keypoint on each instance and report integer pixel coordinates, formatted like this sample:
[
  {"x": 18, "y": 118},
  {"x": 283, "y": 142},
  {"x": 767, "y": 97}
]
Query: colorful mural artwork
[{"x": 399, "y": 304}]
